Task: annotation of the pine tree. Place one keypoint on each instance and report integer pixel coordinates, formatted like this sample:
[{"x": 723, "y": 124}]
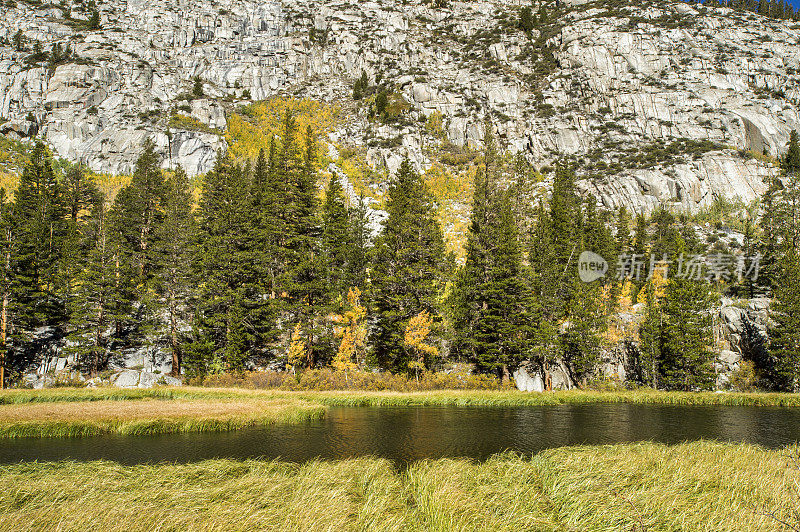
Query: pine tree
[
  {"x": 94, "y": 20},
  {"x": 173, "y": 253},
  {"x": 335, "y": 238},
  {"x": 137, "y": 212},
  {"x": 546, "y": 273},
  {"x": 225, "y": 272},
  {"x": 81, "y": 197},
  {"x": 651, "y": 333},
  {"x": 564, "y": 217},
  {"x": 504, "y": 329},
  {"x": 686, "y": 361},
  {"x": 491, "y": 300},
  {"x": 784, "y": 346},
  {"x": 267, "y": 257},
  {"x": 40, "y": 228},
  {"x": 18, "y": 41},
  {"x": 409, "y": 266},
  {"x": 781, "y": 245},
  {"x": 94, "y": 298},
  {"x": 467, "y": 301},
  {"x": 358, "y": 249},
  {"x": 305, "y": 286}
]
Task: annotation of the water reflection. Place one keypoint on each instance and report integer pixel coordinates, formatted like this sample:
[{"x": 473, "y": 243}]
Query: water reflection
[{"x": 406, "y": 434}]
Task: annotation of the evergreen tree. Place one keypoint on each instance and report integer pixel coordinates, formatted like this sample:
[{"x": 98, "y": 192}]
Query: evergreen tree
[
  {"x": 137, "y": 212},
  {"x": 468, "y": 298},
  {"x": 335, "y": 238},
  {"x": 18, "y": 41},
  {"x": 490, "y": 301},
  {"x": 409, "y": 265},
  {"x": 94, "y": 299},
  {"x": 679, "y": 340},
  {"x": 173, "y": 254},
  {"x": 358, "y": 250},
  {"x": 526, "y": 20},
  {"x": 94, "y": 20},
  {"x": 40, "y": 227},
  {"x": 225, "y": 270},
  {"x": 651, "y": 334},
  {"x": 305, "y": 286},
  {"x": 504, "y": 329},
  {"x": 269, "y": 197},
  {"x": 81, "y": 197},
  {"x": 784, "y": 346},
  {"x": 564, "y": 216}
]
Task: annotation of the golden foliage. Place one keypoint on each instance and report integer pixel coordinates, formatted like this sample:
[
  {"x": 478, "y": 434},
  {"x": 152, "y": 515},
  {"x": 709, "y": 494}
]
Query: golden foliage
[
  {"x": 297, "y": 347},
  {"x": 416, "y": 333},
  {"x": 353, "y": 333},
  {"x": 659, "y": 283},
  {"x": 190, "y": 123},
  {"x": 9, "y": 181},
  {"x": 625, "y": 299},
  {"x": 250, "y": 130},
  {"x": 110, "y": 184},
  {"x": 434, "y": 125}
]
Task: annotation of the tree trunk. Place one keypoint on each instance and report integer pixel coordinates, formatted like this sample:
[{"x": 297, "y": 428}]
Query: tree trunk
[
  {"x": 3, "y": 329},
  {"x": 176, "y": 353}
]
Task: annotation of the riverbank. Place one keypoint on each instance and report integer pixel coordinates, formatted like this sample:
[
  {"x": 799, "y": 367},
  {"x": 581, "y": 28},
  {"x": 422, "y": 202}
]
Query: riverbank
[
  {"x": 515, "y": 398},
  {"x": 692, "y": 486},
  {"x": 138, "y": 416},
  {"x": 384, "y": 398}
]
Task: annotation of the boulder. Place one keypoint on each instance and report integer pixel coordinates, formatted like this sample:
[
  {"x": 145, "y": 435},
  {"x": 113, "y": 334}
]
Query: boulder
[
  {"x": 148, "y": 379},
  {"x": 527, "y": 383},
  {"x": 126, "y": 379},
  {"x": 169, "y": 380},
  {"x": 23, "y": 128}
]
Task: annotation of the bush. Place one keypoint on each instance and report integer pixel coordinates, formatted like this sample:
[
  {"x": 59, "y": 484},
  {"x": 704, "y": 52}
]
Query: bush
[
  {"x": 743, "y": 379},
  {"x": 329, "y": 380}
]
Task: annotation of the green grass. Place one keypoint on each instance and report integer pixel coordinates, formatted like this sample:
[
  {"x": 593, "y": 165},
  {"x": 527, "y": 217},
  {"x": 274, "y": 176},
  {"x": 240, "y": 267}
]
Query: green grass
[
  {"x": 514, "y": 398},
  {"x": 433, "y": 398},
  {"x": 693, "y": 487},
  {"x": 58, "y": 395}
]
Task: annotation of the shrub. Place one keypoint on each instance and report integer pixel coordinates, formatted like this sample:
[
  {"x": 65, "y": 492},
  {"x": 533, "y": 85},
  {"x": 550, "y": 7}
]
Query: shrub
[
  {"x": 329, "y": 380},
  {"x": 743, "y": 379}
]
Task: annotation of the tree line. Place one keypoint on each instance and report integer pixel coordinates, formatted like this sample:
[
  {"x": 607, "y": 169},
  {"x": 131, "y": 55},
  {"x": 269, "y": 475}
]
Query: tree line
[{"x": 261, "y": 267}]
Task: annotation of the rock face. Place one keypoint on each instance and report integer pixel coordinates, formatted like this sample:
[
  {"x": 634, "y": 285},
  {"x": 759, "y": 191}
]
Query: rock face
[
  {"x": 526, "y": 383},
  {"x": 142, "y": 379},
  {"x": 618, "y": 89}
]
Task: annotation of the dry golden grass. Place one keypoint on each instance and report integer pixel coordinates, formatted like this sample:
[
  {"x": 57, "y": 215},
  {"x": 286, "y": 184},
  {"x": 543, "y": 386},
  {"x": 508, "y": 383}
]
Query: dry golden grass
[
  {"x": 148, "y": 416},
  {"x": 689, "y": 487}
]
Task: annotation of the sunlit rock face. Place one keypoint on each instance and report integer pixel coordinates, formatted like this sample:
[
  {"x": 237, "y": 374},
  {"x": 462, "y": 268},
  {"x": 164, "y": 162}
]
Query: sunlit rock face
[{"x": 617, "y": 87}]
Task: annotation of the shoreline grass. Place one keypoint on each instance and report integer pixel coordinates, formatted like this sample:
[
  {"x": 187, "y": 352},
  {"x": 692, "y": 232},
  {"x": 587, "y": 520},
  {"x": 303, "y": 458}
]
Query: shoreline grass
[
  {"x": 388, "y": 398},
  {"x": 149, "y": 416},
  {"x": 573, "y": 397},
  {"x": 644, "y": 486}
]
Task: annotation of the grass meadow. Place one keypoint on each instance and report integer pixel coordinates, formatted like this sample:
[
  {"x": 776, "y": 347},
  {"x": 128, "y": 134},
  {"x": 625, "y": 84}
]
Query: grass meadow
[{"x": 699, "y": 486}]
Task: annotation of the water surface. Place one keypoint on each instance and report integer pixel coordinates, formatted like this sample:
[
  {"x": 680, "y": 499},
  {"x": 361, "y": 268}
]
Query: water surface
[{"x": 405, "y": 434}]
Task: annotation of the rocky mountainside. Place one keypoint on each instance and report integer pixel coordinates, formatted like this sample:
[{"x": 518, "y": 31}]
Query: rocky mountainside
[{"x": 657, "y": 103}]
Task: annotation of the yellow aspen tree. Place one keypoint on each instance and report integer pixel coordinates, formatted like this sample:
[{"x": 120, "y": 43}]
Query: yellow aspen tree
[
  {"x": 416, "y": 333},
  {"x": 353, "y": 333},
  {"x": 297, "y": 347}
]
